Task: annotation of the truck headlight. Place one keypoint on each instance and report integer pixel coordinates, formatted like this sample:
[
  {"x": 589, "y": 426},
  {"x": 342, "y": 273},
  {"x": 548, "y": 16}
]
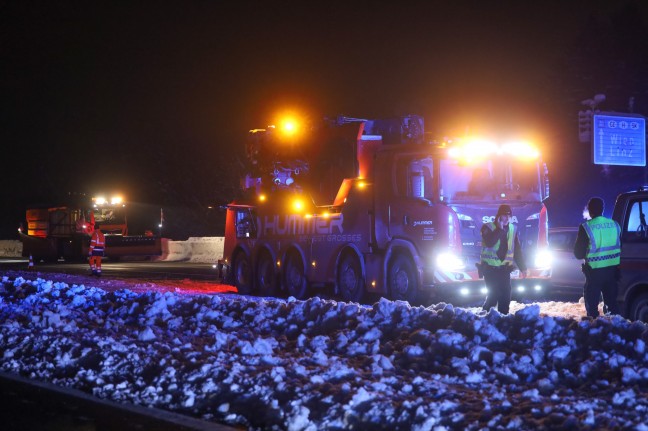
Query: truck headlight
[
  {"x": 543, "y": 259},
  {"x": 449, "y": 261}
]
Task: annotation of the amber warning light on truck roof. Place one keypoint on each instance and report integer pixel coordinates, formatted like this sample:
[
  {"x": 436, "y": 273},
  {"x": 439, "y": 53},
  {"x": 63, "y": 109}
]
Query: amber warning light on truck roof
[{"x": 287, "y": 126}]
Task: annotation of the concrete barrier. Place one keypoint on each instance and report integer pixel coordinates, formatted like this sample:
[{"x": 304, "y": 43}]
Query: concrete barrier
[
  {"x": 10, "y": 248},
  {"x": 195, "y": 249}
]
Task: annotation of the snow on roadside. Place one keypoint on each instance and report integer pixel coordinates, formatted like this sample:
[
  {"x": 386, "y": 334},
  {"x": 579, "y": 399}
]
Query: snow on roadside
[{"x": 322, "y": 364}]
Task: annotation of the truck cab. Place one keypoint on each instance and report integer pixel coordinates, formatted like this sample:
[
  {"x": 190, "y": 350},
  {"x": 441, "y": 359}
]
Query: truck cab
[{"x": 630, "y": 212}]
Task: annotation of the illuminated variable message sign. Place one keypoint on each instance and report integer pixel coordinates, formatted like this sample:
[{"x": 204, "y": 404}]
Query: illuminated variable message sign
[{"x": 619, "y": 139}]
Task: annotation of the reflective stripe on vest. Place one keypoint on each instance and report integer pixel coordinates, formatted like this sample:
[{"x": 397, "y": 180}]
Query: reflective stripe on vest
[
  {"x": 98, "y": 241},
  {"x": 489, "y": 254},
  {"x": 604, "y": 243}
]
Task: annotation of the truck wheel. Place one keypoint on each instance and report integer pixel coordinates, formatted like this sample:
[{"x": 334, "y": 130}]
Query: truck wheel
[
  {"x": 294, "y": 280},
  {"x": 402, "y": 282},
  {"x": 242, "y": 273},
  {"x": 639, "y": 308},
  {"x": 266, "y": 276},
  {"x": 349, "y": 278}
]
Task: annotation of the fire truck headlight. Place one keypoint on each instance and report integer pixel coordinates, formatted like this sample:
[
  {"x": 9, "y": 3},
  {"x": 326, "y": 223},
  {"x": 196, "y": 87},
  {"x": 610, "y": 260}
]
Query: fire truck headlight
[
  {"x": 534, "y": 216},
  {"x": 450, "y": 262},
  {"x": 543, "y": 259}
]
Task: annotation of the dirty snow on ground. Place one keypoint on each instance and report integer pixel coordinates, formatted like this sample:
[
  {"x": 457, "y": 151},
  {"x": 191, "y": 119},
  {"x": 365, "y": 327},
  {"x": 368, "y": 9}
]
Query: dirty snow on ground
[{"x": 284, "y": 364}]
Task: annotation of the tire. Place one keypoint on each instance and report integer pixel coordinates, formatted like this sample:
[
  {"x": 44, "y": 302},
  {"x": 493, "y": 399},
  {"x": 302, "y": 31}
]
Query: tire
[
  {"x": 639, "y": 308},
  {"x": 402, "y": 281},
  {"x": 266, "y": 276},
  {"x": 294, "y": 277},
  {"x": 350, "y": 282},
  {"x": 242, "y": 273}
]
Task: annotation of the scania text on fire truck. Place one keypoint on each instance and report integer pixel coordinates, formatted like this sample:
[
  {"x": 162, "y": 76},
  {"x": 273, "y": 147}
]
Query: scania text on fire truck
[{"x": 373, "y": 206}]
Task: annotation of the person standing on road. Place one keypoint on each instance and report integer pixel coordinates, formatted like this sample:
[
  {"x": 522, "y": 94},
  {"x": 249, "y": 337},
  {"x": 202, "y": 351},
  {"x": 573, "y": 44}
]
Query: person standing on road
[
  {"x": 599, "y": 243},
  {"x": 500, "y": 249},
  {"x": 96, "y": 251}
]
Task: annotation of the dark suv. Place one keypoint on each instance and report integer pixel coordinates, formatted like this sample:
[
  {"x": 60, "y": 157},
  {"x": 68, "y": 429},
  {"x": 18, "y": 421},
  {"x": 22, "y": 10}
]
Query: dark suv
[{"x": 630, "y": 212}]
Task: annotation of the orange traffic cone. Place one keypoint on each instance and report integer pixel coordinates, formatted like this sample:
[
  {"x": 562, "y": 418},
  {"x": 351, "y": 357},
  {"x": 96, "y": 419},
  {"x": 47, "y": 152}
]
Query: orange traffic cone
[{"x": 31, "y": 262}]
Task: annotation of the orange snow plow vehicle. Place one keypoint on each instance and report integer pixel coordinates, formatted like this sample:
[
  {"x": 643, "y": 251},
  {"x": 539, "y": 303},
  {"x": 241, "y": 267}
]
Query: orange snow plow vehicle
[{"x": 64, "y": 231}]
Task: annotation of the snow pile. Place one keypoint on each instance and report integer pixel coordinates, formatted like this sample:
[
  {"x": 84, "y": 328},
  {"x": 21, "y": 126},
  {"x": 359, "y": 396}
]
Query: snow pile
[{"x": 325, "y": 365}]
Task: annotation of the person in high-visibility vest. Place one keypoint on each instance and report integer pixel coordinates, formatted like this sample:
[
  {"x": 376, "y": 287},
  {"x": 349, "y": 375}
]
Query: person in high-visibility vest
[
  {"x": 96, "y": 251},
  {"x": 500, "y": 249},
  {"x": 599, "y": 243}
]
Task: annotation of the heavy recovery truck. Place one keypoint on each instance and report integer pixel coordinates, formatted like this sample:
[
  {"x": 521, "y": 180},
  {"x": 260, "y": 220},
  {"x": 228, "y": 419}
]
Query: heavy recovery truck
[
  {"x": 364, "y": 206},
  {"x": 64, "y": 231}
]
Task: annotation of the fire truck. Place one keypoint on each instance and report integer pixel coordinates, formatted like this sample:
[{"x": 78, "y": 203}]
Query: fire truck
[
  {"x": 375, "y": 207},
  {"x": 64, "y": 231}
]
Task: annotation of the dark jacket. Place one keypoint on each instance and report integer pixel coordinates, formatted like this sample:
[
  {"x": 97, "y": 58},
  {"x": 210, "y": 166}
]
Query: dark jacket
[{"x": 582, "y": 243}]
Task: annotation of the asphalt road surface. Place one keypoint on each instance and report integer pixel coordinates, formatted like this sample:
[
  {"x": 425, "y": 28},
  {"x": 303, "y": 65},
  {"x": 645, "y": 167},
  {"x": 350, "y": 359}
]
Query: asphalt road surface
[{"x": 150, "y": 270}]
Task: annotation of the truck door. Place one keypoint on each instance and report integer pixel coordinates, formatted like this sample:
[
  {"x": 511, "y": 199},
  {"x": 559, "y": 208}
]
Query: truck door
[
  {"x": 246, "y": 223},
  {"x": 413, "y": 183},
  {"x": 634, "y": 235}
]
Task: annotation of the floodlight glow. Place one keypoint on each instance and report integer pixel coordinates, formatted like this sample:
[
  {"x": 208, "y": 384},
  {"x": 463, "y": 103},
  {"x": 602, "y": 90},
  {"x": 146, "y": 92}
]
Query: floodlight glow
[
  {"x": 543, "y": 259},
  {"x": 474, "y": 149},
  {"x": 449, "y": 261},
  {"x": 289, "y": 127},
  {"x": 298, "y": 205}
]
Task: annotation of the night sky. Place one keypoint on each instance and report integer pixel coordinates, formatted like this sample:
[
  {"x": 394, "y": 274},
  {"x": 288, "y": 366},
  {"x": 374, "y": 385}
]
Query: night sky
[{"x": 155, "y": 98}]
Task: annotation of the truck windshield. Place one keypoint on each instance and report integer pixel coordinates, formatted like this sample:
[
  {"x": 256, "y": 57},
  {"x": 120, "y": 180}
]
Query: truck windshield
[
  {"x": 489, "y": 180},
  {"x": 110, "y": 215}
]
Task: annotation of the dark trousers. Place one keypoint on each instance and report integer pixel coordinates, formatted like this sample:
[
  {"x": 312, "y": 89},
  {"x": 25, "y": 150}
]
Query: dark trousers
[
  {"x": 597, "y": 281},
  {"x": 498, "y": 283}
]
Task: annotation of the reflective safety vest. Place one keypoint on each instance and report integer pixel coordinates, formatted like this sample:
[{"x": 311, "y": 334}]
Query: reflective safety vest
[
  {"x": 489, "y": 254},
  {"x": 604, "y": 242},
  {"x": 98, "y": 241}
]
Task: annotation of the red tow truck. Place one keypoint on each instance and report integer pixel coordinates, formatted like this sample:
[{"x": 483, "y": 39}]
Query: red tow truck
[{"x": 375, "y": 206}]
